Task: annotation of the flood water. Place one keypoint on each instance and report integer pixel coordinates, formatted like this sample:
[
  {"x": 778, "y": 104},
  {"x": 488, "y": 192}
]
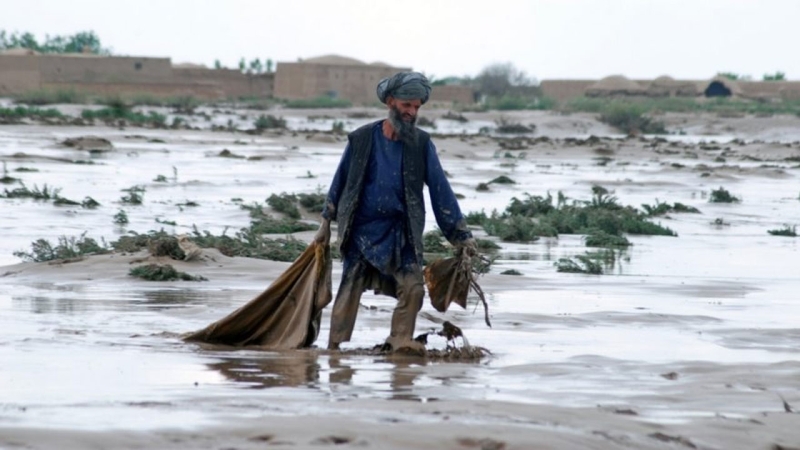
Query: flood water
[{"x": 716, "y": 305}]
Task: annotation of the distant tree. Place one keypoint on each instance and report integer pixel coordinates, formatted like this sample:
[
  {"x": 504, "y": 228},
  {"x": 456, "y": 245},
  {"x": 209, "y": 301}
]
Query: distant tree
[
  {"x": 255, "y": 66},
  {"x": 268, "y": 65},
  {"x": 777, "y": 76},
  {"x": 497, "y": 80},
  {"x": 217, "y": 64},
  {"x": 242, "y": 64},
  {"x": 81, "y": 42}
]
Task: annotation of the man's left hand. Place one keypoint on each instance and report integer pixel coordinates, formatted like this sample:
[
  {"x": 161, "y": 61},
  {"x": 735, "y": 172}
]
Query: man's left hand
[{"x": 470, "y": 246}]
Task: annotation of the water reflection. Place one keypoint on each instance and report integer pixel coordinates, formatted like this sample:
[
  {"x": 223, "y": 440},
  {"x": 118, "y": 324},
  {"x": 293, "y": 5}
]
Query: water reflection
[
  {"x": 348, "y": 375},
  {"x": 282, "y": 370}
]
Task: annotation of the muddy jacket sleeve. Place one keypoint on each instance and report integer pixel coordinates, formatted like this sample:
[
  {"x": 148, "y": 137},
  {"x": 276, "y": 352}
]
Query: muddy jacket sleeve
[
  {"x": 443, "y": 200},
  {"x": 337, "y": 186}
]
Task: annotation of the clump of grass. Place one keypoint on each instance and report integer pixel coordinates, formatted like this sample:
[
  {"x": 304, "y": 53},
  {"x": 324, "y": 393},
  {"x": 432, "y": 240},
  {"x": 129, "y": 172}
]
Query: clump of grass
[
  {"x": 171, "y": 223},
  {"x": 312, "y": 202},
  {"x": 579, "y": 264},
  {"x": 476, "y": 218},
  {"x": 61, "y": 201},
  {"x": 661, "y": 208},
  {"x": 264, "y": 223},
  {"x": 25, "y": 169},
  {"x": 265, "y": 122},
  {"x": 722, "y": 195},
  {"x": 512, "y": 228},
  {"x": 252, "y": 244},
  {"x": 67, "y": 247},
  {"x": 121, "y": 112},
  {"x": 631, "y": 119},
  {"x": 450, "y": 115},
  {"x": 603, "y": 239},
  {"x": 121, "y": 217},
  {"x": 7, "y": 179},
  {"x": 423, "y": 121},
  {"x": 135, "y": 195},
  {"x": 482, "y": 187},
  {"x": 433, "y": 242},
  {"x": 511, "y": 272},
  {"x": 45, "y": 193},
  {"x": 160, "y": 179},
  {"x": 284, "y": 204},
  {"x": 539, "y": 216},
  {"x": 16, "y": 114},
  {"x": 486, "y": 245},
  {"x": 507, "y": 126},
  {"x": 790, "y": 231},
  {"x": 162, "y": 272},
  {"x": 134, "y": 242},
  {"x": 502, "y": 179}
]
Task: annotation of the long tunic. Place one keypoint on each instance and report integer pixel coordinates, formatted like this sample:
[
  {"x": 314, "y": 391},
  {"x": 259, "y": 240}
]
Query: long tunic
[{"x": 379, "y": 230}]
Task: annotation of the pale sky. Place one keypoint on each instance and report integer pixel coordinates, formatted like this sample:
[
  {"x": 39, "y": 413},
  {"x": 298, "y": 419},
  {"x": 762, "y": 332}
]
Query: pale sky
[{"x": 545, "y": 38}]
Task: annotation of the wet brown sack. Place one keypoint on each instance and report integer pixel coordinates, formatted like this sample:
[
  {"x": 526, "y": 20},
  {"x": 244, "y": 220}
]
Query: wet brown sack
[
  {"x": 449, "y": 280},
  {"x": 286, "y": 315}
]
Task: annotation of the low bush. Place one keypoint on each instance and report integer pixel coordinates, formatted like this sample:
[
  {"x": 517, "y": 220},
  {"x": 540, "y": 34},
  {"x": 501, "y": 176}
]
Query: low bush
[
  {"x": 162, "y": 272},
  {"x": 721, "y": 195},
  {"x": 67, "y": 247}
]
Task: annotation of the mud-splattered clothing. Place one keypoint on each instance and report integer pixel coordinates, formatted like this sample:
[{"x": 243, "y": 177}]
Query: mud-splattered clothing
[
  {"x": 379, "y": 227},
  {"x": 376, "y": 198}
]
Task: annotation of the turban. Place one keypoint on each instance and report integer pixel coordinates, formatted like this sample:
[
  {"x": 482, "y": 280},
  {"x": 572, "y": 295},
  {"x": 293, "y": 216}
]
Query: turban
[{"x": 405, "y": 86}]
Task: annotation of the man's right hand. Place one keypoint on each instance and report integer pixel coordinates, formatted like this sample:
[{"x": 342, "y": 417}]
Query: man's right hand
[{"x": 323, "y": 235}]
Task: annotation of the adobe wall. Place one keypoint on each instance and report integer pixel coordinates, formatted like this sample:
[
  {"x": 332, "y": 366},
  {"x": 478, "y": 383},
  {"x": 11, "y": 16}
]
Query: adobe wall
[
  {"x": 355, "y": 83},
  {"x": 103, "y": 69},
  {"x": 463, "y": 95},
  {"x": 231, "y": 83},
  {"x": 564, "y": 90},
  {"x": 18, "y": 73}
]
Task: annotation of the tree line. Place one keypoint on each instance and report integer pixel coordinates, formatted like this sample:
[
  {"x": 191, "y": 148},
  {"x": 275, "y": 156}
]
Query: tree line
[{"x": 80, "y": 42}]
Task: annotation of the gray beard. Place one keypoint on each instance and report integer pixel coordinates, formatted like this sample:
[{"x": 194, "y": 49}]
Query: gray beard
[{"x": 406, "y": 131}]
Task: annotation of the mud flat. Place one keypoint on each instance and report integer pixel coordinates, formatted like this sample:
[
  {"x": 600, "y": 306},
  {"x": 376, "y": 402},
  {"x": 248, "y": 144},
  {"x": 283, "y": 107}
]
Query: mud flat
[{"x": 686, "y": 341}]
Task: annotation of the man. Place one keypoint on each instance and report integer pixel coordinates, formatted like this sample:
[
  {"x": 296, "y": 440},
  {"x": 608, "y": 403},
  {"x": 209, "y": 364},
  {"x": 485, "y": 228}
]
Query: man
[{"x": 376, "y": 198}]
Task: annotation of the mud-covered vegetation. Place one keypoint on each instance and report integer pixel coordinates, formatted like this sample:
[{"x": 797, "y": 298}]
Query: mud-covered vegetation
[
  {"x": 789, "y": 231},
  {"x": 65, "y": 248},
  {"x": 525, "y": 220},
  {"x": 722, "y": 195},
  {"x": 162, "y": 272}
]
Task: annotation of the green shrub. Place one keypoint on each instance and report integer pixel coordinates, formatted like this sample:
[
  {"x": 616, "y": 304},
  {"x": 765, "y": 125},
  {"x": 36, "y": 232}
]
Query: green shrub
[
  {"x": 721, "y": 195},
  {"x": 135, "y": 195},
  {"x": 162, "y": 272},
  {"x": 631, "y": 119},
  {"x": 285, "y": 204},
  {"x": 579, "y": 264},
  {"x": 67, "y": 247},
  {"x": 264, "y": 122},
  {"x": 433, "y": 242},
  {"x": 790, "y": 231},
  {"x": 45, "y": 193},
  {"x": 603, "y": 239},
  {"x": 121, "y": 217}
]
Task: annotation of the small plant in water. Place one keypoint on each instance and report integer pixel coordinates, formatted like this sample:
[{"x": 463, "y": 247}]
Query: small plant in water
[
  {"x": 721, "y": 195},
  {"x": 135, "y": 195},
  {"x": 165, "y": 272},
  {"x": 67, "y": 247},
  {"x": 579, "y": 264},
  {"x": 121, "y": 218},
  {"x": 790, "y": 231}
]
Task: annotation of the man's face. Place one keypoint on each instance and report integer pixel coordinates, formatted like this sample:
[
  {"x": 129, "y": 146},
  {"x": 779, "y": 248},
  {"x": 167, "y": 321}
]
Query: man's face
[{"x": 406, "y": 109}]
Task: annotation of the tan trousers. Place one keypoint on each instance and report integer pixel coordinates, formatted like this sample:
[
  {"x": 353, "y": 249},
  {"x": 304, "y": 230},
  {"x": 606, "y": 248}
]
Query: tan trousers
[{"x": 409, "y": 290}]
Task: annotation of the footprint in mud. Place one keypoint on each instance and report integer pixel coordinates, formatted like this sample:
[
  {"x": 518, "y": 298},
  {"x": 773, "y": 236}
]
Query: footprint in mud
[{"x": 483, "y": 444}]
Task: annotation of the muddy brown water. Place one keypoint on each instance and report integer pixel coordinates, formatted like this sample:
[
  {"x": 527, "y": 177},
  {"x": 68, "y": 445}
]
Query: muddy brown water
[{"x": 680, "y": 329}]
